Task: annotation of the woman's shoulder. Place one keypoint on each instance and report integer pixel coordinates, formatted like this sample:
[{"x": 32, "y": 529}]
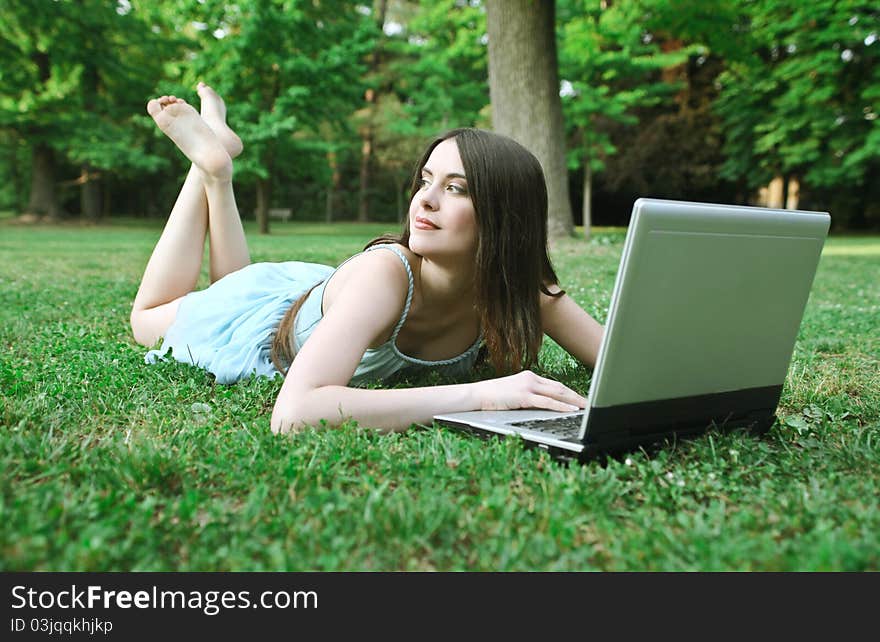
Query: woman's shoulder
[
  {"x": 371, "y": 271},
  {"x": 411, "y": 257},
  {"x": 383, "y": 257}
]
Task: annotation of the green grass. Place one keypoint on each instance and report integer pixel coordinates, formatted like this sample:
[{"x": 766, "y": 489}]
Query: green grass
[{"x": 109, "y": 464}]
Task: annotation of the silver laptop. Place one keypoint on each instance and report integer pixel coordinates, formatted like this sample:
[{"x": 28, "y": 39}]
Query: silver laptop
[{"x": 705, "y": 311}]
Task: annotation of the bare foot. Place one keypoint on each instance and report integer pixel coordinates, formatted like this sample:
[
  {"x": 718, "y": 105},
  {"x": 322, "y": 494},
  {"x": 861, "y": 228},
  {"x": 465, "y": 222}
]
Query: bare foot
[
  {"x": 214, "y": 113},
  {"x": 192, "y": 135}
]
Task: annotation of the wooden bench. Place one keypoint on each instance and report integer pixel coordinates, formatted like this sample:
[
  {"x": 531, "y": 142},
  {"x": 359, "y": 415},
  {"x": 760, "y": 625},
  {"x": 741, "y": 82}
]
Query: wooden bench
[{"x": 283, "y": 213}]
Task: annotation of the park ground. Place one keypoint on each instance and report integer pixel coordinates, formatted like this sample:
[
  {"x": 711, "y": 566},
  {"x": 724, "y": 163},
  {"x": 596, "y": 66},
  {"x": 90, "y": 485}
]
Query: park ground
[{"x": 111, "y": 465}]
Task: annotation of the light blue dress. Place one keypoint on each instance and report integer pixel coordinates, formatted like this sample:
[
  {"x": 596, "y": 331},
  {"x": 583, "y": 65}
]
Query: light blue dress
[{"x": 228, "y": 328}]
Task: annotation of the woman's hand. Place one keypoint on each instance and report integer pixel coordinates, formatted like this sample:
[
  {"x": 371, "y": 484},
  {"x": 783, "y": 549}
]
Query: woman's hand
[{"x": 527, "y": 390}]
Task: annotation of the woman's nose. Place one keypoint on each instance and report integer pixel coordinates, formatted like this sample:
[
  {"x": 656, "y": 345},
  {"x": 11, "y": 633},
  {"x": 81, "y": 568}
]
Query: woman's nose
[{"x": 428, "y": 199}]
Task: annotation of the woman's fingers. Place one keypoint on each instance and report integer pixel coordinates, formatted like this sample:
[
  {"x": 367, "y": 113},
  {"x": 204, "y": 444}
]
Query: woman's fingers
[
  {"x": 549, "y": 403},
  {"x": 560, "y": 392},
  {"x": 528, "y": 390}
]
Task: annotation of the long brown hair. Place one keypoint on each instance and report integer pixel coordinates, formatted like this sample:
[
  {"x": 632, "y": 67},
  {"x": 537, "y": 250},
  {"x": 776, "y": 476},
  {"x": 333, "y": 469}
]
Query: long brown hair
[
  {"x": 509, "y": 194},
  {"x": 280, "y": 351}
]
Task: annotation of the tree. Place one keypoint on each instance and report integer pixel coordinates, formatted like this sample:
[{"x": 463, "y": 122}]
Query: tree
[
  {"x": 433, "y": 79},
  {"x": 73, "y": 74},
  {"x": 524, "y": 90},
  {"x": 290, "y": 71},
  {"x": 37, "y": 81},
  {"x": 440, "y": 67},
  {"x": 800, "y": 102},
  {"x": 120, "y": 56},
  {"x": 368, "y": 125},
  {"x": 611, "y": 66}
]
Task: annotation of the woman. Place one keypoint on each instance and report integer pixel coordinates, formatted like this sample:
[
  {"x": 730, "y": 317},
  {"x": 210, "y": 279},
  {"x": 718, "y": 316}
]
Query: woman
[{"x": 470, "y": 268}]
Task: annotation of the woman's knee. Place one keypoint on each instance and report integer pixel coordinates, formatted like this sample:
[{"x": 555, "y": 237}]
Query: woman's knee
[
  {"x": 148, "y": 325},
  {"x": 140, "y": 329}
]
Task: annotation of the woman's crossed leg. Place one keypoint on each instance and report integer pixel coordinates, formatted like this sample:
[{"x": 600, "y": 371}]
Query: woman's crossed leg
[{"x": 205, "y": 208}]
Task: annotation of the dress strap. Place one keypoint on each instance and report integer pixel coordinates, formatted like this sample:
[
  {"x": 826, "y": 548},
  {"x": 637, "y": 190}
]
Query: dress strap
[{"x": 409, "y": 293}]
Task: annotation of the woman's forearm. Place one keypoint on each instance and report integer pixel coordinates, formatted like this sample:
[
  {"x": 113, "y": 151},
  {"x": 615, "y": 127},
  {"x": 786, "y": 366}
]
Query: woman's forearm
[
  {"x": 399, "y": 408},
  {"x": 386, "y": 410}
]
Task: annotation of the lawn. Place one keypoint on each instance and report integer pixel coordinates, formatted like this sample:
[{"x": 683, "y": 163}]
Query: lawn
[{"x": 112, "y": 465}]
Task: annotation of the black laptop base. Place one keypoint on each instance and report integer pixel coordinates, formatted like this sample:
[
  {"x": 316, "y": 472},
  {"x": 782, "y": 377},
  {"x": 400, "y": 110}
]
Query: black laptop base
[
  {"x": 754, "y": 424},
  {"x": 628, "y": 441}
]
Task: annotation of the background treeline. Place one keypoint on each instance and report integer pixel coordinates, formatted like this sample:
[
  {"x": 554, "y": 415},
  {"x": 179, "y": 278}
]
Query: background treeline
[{"x": 750, "y": 101}]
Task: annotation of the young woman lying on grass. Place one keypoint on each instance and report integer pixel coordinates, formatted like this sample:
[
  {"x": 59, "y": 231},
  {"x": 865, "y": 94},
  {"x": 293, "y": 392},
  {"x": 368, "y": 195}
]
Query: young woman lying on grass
[{"x": 470, "y": 269}]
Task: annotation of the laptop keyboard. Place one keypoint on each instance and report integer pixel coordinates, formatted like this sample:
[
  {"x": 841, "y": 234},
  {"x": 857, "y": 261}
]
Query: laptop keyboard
[{"x": 565, "y": 427}]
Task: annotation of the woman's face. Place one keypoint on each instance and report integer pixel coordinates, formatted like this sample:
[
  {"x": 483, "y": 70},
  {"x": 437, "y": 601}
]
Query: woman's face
[{"x": 442, "y": 222}]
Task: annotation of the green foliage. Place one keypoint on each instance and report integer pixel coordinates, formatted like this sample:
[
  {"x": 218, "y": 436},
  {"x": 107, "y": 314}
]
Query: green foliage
[
  {"x": 437, "y": 68},
  {"x": 36, "y": 84},
  {"x": 72, "y": 76},
  {"x": 431, "y": 77},
  {"x": 612, "y": 63},
  {"x": 285, "y": 68},
  {"x": 14, "y": 159},
  {"x": 677, "y": 98},
  {"x": 801, "y": 96},
  {"x": 112, "y": 465}
]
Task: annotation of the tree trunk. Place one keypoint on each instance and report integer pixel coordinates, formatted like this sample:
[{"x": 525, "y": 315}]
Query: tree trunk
[
  {"x": 404, "y": 189},
  {"x": 90, "y": 195},
  {"x": 794, "y": 193},
  {"x": 371, "y": 98},
  {"x": 775, "y": 193},
  {"x": 263, "y": 192},
  {"x": 335, "y": 182},
  {"x": 106, "y": 202},
  {"x": 588, "y": 198},
  {"x": 43, "y": 199},
  {"x": 402, "y": 205},
  {"x": 90, "y": 191},
  {"x": 524, "y": 91},
  {"x": 364, "y": 184},
  {"x": 328, "y": 205},
  {"x": 13, "y": 168}
]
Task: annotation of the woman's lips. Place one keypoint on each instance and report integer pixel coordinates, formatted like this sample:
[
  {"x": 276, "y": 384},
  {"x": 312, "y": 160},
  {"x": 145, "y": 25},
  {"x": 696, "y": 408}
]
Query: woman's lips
[{"x": 424, "y": 224}]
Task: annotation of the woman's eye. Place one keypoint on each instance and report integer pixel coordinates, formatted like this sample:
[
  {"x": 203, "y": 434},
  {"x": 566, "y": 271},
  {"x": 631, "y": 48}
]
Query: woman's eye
[
  {"x": 457, "y": 189},
  {"x": 424, "y": 182}
]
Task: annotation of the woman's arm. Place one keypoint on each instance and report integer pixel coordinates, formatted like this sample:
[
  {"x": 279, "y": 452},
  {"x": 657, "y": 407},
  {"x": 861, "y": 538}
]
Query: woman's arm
[
  {"x": 399, "y": 408},
  {"x": 571, "y": 327},
  {"x": 364, "y": 313}
]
